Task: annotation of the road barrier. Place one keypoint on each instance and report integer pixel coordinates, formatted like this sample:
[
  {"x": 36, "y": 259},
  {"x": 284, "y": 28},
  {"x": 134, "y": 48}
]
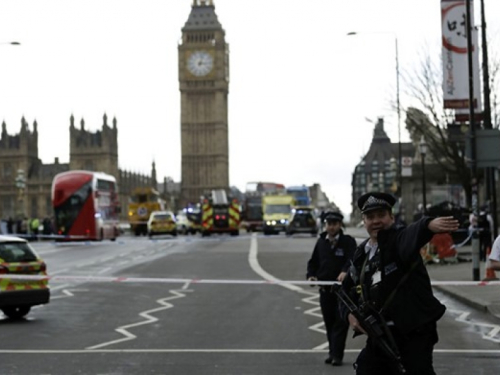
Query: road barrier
[{"x": 124, "y": 279}]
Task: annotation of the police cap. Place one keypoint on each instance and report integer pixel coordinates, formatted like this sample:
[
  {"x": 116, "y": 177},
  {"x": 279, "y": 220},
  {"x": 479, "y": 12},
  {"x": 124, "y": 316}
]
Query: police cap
[
  {"x": 333, "y": 216},
  {"x": 376, "y": 201}
]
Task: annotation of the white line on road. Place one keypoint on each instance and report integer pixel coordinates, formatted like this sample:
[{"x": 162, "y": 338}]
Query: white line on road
[
  {"x": 254, "y": 264},
  {"x": 148, "y": 320},
  {"x": 278, "y": 351}
]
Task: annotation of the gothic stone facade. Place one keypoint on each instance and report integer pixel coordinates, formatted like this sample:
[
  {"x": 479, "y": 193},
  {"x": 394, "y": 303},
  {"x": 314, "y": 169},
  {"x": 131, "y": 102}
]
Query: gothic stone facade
[
  {"x": 96, "y": 151},
  {"x": 204, "y": 85}
]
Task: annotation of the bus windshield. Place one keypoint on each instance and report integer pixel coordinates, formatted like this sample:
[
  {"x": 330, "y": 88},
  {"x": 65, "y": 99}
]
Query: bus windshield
[
  {"x": 278, "y": 209},
  {"x": 66, "y": 213}
]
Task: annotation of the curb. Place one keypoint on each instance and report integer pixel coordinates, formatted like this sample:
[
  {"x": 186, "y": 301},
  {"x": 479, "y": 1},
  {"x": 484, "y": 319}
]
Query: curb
[{"x": 493, "y": 310}]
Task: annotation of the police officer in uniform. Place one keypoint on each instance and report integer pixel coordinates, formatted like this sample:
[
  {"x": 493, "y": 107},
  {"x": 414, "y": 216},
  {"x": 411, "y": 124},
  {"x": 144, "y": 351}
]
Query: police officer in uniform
[
  {"x": 388, "y": 273},
  {"x": 330, "y": 261}
]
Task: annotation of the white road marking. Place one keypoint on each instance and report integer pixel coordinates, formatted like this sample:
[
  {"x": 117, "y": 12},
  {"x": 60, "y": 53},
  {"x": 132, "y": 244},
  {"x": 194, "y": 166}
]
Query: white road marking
[
  {"x": 278, "y": 351},
  {"x": 254, "y": 264},
  {"x": 104, "y": 270},
  {"x": 490, "y": 332},
  {"x": 148, "y": 319},
  {"x": 68, "y": 293}
]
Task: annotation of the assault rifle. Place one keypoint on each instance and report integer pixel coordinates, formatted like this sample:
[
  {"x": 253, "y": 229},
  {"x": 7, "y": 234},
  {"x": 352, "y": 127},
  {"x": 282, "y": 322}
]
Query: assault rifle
[{"x": 374, "y": 326}]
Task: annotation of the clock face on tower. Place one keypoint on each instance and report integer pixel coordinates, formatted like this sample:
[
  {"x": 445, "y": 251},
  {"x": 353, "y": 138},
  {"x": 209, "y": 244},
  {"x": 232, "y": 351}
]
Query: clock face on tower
[{"x": 200, "y": 63}]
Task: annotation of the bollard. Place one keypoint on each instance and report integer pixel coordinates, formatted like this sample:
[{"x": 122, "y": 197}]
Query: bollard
[{"x": 475, "y": 255}]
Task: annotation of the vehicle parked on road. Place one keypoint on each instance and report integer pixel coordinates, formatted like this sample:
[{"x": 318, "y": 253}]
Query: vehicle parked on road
[
  {"x": 302, "y": 220},
  {"x": 86, "y": 205},
  {"x": 142, "y": 202},
  {"x": 162, "y": 222},
  {"x": 17, "y": 296},
  {"x": 183, "y": 224},
  {"x": 276, "y": 212},
  {"x": 220, "y": 214},
  {"x": 301, "y": 194},
  {"x": 251, "y": 213}
]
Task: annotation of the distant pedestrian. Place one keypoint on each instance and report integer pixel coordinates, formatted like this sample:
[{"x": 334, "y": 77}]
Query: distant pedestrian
[
  {"x": 10, "y": 225},
  {"x": 35, "y": 224},
  {"x": 330, "y": 261},
  {"x": 47, "y": 226},
  {"x": 485, "y": 226},
  {"x": 495, "y": 255}
]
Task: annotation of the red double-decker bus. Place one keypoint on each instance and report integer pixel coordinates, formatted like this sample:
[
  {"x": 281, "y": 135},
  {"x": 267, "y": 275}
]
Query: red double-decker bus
[{"x": 86, "y": 205}]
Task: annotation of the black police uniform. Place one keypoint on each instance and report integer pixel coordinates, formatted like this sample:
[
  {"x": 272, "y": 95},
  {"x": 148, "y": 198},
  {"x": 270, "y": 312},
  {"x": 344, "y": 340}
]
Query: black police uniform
[
  {"x": 328, "y": 260},
  {"x": 411, "y": 312}
]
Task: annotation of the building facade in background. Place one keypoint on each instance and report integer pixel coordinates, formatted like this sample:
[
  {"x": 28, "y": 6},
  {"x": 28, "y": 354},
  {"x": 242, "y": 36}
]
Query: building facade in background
[
  {"x": 377, "y": 171},
  {"x": 204, "y": 86},
  {"x": 95, "y": 151}
]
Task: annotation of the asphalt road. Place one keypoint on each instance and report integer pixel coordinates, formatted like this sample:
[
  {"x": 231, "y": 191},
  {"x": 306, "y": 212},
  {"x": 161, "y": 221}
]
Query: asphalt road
[{"x": 218, "y": 318}]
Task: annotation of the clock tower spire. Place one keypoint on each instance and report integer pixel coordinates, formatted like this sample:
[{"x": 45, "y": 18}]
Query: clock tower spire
[{"x": 204, "y": 86}]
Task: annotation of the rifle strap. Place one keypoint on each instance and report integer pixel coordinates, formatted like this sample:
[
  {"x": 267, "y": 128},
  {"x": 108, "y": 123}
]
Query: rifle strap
[
  {"x": 395, "y": 290},
  {"x": 362, "y": 278}
]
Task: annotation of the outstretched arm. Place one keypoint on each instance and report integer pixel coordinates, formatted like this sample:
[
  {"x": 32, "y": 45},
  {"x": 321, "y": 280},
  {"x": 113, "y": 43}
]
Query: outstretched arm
[{"x": 443, "y": 224}]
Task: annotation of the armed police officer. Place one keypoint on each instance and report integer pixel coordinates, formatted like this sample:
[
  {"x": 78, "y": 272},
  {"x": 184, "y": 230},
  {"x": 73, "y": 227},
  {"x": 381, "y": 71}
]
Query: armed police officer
[
  {"x": 388, "y": 282},
  {"x": 330, "y": 261}
]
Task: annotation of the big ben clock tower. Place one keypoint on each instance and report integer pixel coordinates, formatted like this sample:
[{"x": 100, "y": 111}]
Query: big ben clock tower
[{"x": 204, "y": 84}]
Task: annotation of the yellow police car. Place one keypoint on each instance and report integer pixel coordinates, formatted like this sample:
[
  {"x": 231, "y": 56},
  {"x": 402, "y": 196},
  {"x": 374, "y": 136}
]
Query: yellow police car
[
  {"x": 18, "y": 295},
  {"x": 162, "y": 222}
]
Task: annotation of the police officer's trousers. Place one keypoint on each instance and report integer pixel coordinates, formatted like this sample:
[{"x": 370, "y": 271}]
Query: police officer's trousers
[
  {"x": 336, "y": 328},
  {"x": 415, "y": 349}
]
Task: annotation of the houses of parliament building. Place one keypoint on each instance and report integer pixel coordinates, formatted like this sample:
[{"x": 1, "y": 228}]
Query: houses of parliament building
[
  {"x": 203, "y": 66},
  {"x": 95, "y": 151}
]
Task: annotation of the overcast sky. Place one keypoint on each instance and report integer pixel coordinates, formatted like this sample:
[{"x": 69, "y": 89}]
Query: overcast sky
[{"x": 300, "y": 89}]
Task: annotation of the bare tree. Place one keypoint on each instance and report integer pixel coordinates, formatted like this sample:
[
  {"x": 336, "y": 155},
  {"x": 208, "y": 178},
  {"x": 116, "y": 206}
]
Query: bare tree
[{"x": 428, "y": 118}]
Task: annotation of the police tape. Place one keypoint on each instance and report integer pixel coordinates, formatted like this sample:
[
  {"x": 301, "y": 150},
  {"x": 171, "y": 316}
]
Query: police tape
[
  {"x": 124, "y": 279},
  {"x": 47, "y": 236}
]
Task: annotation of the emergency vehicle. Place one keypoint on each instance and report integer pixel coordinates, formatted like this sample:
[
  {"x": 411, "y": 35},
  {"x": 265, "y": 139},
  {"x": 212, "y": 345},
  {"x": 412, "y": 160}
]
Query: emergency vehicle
[
  {"x": 219, "y": 214},
  {"x": 142, "y": 202},
  {"x": 17, "y": 296},
  {"x": 251, "y": 215},
  {"x": 277, "y": 210}
]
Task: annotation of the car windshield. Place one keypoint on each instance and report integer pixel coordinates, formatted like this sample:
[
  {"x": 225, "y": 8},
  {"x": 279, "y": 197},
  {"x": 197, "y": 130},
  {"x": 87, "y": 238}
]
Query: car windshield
[
  {"x": 278, "y": 209},
  {"x": 12, "y": 252},
  {"x": 304, "y": 219},
  {"x": 299, "y": 193},
  {"x": 162, "y": 216}
]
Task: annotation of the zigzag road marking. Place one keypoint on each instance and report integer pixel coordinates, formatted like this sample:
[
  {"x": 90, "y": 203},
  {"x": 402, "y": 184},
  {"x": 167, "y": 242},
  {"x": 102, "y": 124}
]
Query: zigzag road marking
[
  {"x": 254, "y": 264},
  {"x": 490, "y": 332},
  {"x": 316, "y": 312},
  {"x": 148, "y": 319}
]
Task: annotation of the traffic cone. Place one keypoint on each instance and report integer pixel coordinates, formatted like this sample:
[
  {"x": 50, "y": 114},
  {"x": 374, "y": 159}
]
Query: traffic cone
[{"x": 490, "y": 272}]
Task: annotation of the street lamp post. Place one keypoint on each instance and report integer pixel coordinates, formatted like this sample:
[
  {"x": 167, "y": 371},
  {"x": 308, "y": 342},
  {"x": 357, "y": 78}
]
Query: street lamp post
[
  {"x": 20, "y": 185},
  {"x": 398, "y": 109},
  {"x": 473, "y": 152},
  {"x": 422, "y": 146}
]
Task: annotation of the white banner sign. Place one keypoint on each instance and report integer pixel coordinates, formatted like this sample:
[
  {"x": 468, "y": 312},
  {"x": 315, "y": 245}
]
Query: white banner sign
[
  {"x": 455, "y": 59},
  {"x": 406, "y": 166}
]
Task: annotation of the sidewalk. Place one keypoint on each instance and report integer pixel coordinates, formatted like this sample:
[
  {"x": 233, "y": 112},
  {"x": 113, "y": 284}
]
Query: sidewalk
[{"x": 482, "y": 297}]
